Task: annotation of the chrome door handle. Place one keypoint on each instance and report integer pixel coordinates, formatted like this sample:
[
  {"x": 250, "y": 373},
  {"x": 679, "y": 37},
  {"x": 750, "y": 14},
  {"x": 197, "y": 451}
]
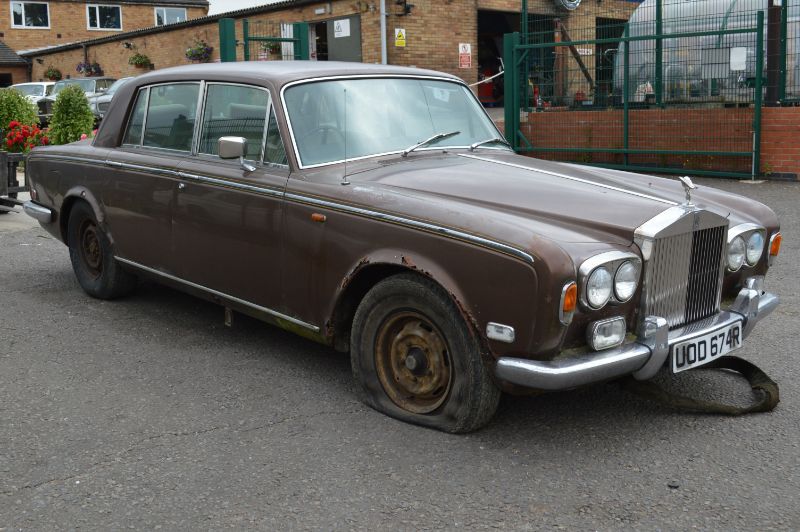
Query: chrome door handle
[{"x": 181, "y": 186}]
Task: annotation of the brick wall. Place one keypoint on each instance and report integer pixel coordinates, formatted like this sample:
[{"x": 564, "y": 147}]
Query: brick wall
[
  {"x": 68, "y": 23},
  {"x": 722, "y": 129},
  {"x": 19, "y": 74},
  {"x": 780, "y": 150}
]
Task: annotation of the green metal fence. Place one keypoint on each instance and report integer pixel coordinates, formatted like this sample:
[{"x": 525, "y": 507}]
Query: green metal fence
[
  {"x": 673, "y": 87},
  {"x": 265, "y": 40}
]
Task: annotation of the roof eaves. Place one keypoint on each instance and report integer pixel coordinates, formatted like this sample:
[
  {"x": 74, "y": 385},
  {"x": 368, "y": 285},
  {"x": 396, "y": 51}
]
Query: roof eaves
[{"x": 277, "y": 6}]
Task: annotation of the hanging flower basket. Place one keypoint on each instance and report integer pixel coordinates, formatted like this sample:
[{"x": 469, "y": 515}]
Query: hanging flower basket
[
  {"x": 139, "y": 60},
  {"x": 89, "y": 69},
  {"x": 52, "y": 73},
  {"x": 200, "y": 52}
]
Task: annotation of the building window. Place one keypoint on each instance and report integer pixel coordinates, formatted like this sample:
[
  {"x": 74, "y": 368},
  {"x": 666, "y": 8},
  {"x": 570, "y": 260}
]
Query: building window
[
  {"x": 170, "y": 15},
  {"x": 30, "y": 15},
  {"x": 104, "y": 17}
]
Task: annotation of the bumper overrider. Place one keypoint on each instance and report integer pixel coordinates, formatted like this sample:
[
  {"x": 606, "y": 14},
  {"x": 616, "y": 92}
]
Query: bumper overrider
[{"x": 642, "y": 358}]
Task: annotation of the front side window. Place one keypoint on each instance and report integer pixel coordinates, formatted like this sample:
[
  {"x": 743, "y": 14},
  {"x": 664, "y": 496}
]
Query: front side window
[
  {"x": 30, "y": 15},
  {"x": 274, "y": 152},
  {"x": 234, "y": 111},
  {"x": 346, "y": 119},
  {"x": 170, "y": 15},
  {"x": 133, "y": 134},
  {"x": 104, "y": 17}
]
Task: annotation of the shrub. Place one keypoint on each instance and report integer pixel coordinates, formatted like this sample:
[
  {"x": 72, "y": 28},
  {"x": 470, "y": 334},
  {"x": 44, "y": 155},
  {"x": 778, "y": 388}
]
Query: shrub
[
  {"x": 15, "y": 106},
  {"x": 22, "y": 138},
  {"x": 72, "y": 116}
]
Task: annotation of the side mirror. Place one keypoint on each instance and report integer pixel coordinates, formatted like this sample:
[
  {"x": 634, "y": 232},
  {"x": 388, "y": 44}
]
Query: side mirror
[{"x": 233, "y": 148}]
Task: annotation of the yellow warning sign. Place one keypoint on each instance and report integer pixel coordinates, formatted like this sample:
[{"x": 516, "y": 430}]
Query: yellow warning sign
[{"x": 400, "y": 37}]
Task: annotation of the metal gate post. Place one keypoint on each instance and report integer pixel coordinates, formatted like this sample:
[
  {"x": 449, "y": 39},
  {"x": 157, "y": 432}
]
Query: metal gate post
[
  {"x": 759, "y": 96},
  {"x": 511, "y": 88},
  {"x": 246, "y": 38},
  {"x": 784, "y": 37},
  {"x": 626, "y": 96},
  {"x": 227, "y": 40},
  {"x": 302, "y": 50},
  {"x": 659, "y": 73}
]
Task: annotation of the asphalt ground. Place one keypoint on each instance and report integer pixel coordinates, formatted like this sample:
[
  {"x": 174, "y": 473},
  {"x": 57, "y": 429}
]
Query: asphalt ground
[{"x": 149, "y": 413}]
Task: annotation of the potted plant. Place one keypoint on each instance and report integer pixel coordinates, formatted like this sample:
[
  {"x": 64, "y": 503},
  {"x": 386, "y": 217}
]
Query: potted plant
[
  {"x": 52, "y": 73},
  {"x": 139, "y": 60},
  {"x": 200, "y": 52},
  {"x": 89, "y": 69}
]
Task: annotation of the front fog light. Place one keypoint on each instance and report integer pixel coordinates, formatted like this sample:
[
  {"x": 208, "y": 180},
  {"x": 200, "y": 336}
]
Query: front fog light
[{"x": 604, "y": 334}]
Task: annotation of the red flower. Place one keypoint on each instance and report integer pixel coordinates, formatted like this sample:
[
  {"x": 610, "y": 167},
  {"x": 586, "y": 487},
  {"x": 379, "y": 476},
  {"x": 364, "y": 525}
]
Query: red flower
[
  {"x": 45, "y": 141},
  {"x": 9, "y": 143},
  {"x": 13, "y": 124}
]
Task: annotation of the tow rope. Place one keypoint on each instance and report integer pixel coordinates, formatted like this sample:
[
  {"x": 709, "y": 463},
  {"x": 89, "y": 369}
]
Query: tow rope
[{"x": 765, "y": 389}]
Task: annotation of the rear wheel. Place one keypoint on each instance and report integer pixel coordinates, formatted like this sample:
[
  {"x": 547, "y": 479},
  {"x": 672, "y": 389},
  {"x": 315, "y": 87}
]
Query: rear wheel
[
  {"x": 98, "y": 273},
  {"x": 415, "y": 359}
]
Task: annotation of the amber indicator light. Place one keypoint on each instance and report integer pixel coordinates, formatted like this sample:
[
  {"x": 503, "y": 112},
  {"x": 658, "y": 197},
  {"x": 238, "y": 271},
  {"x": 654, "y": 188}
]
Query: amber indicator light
[
  {"x": 775, "y": 246},
  {"x": 570, "y": 298},
  {"x": 317, "y": 217}
]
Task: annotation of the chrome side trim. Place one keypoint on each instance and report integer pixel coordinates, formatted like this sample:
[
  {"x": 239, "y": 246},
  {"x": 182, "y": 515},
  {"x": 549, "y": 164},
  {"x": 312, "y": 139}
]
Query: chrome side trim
[
  {"x": 253, "y": 306},
  {"x": 642, "y": 358},
  {"x": 425, "y": 226},
  {"x": 67, "y": 158},
  {"x": 141, "y": 168},
  {"x": 341, "y": 207},
  {"x": 38, "y": 212},
  {"x": 569, "y": 177}
]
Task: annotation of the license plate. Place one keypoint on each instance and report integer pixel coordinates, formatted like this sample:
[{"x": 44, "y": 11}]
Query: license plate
[{"x": 703, "y": 349}]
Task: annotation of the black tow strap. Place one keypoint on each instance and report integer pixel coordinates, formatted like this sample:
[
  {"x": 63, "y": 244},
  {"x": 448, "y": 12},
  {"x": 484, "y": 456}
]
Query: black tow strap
[{"x": 765, "y": 389}]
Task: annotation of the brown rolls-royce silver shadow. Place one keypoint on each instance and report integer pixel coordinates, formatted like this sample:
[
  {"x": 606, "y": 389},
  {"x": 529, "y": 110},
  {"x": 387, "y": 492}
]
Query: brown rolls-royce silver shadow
[{"x": 379, "y": 210}]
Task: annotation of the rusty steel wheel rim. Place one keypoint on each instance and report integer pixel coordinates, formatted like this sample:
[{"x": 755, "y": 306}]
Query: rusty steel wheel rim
[
  {"x": 90, "y": 250},
  {"x": 413, "y": 362}
]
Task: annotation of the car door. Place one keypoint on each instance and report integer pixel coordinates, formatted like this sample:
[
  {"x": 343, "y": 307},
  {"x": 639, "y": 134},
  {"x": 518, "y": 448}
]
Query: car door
[
  {"x": 140, "y": 195},
  {"x": 227, "y": 218}
]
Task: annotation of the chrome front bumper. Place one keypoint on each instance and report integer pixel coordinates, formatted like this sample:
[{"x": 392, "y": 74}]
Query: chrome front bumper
[
  {"x": 642, "y": 358},
  {"x": 36, "y": 211}
]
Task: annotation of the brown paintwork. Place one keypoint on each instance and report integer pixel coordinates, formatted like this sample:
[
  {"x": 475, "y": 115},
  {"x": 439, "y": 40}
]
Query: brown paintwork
[{"x": 314, "y": 262}]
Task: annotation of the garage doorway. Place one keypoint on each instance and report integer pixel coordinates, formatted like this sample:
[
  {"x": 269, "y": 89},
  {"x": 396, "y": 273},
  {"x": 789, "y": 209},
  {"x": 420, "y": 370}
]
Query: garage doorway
[{"x": 336, "y": 39}]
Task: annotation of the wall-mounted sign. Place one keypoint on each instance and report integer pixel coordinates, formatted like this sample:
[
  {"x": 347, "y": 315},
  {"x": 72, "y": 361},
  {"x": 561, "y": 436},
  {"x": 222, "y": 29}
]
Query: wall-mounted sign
[
  {"x": 341, "y": 28},
  {"x": 464, "y": 55},
  {"x": 400, "y": 37},
  {"x": 585, "y": 51}
]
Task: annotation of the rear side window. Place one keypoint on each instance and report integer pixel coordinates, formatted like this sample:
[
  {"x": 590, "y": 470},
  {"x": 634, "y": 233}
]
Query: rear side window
[
  {"x": 234, "y": 111},
  {"x": 171, "y": 111}
]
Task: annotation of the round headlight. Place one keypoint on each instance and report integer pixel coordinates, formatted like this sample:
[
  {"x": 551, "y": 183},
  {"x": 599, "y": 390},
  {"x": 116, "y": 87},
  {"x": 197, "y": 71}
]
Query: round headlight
[
  {"x": 755, "y": 246},
  {"x": 625, "y": 281},
  {"x": 598, "y": 288},
  {"x": 736, "y": 253}
]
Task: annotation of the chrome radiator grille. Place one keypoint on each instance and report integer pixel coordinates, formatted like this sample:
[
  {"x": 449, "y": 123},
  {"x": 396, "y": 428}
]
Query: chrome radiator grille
[{"x": 685, "y": 276}]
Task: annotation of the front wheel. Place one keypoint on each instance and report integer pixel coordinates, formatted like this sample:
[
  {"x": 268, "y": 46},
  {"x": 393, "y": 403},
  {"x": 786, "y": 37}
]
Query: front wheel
[
  {"x": 98, "y": 273},
  {"x": 415, "y": 359}
]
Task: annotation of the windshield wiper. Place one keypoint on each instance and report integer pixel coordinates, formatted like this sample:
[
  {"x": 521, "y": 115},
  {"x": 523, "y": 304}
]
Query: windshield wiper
[
  {"x": 438, "y": 136},
  {"x": 488, "y": 141}
]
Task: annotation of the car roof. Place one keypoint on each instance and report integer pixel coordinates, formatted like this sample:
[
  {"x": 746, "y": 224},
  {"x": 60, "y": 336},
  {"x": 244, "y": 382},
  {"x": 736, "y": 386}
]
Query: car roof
[
  {"x": 281, "y": 72},
  {"x": 34, "y": 83}
]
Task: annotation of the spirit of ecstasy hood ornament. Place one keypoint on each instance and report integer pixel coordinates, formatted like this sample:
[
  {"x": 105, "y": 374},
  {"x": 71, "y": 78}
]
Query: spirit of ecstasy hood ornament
[{"x": 688, "y": 186}]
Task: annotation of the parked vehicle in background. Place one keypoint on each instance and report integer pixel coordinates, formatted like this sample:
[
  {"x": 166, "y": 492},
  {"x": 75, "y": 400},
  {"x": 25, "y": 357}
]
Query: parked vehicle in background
[
  {"x": 378, "y": 210},
  {"x": 99, "y": 103},
  {"x": 92, "y": 87},
  {"x": 36, "y": 90}
]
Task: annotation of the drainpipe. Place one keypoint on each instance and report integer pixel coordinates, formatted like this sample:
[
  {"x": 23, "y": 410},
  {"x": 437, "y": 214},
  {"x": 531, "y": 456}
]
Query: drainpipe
[{"x": 383, "y": 33}]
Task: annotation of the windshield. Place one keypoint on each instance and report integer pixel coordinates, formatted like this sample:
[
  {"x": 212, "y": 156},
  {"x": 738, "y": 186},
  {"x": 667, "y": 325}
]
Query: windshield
[
  {"x": 116, "y": 85},
  {"x": 86, "y": 84},
  {"x": 30, "y": 90},
  {"x": 386, "y": 115}
]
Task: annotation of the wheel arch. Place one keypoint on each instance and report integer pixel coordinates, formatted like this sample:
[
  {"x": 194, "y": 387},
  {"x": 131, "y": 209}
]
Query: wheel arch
[
  {"x": 71, "y": 198},
  {"x": 371, "y": 270}
]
